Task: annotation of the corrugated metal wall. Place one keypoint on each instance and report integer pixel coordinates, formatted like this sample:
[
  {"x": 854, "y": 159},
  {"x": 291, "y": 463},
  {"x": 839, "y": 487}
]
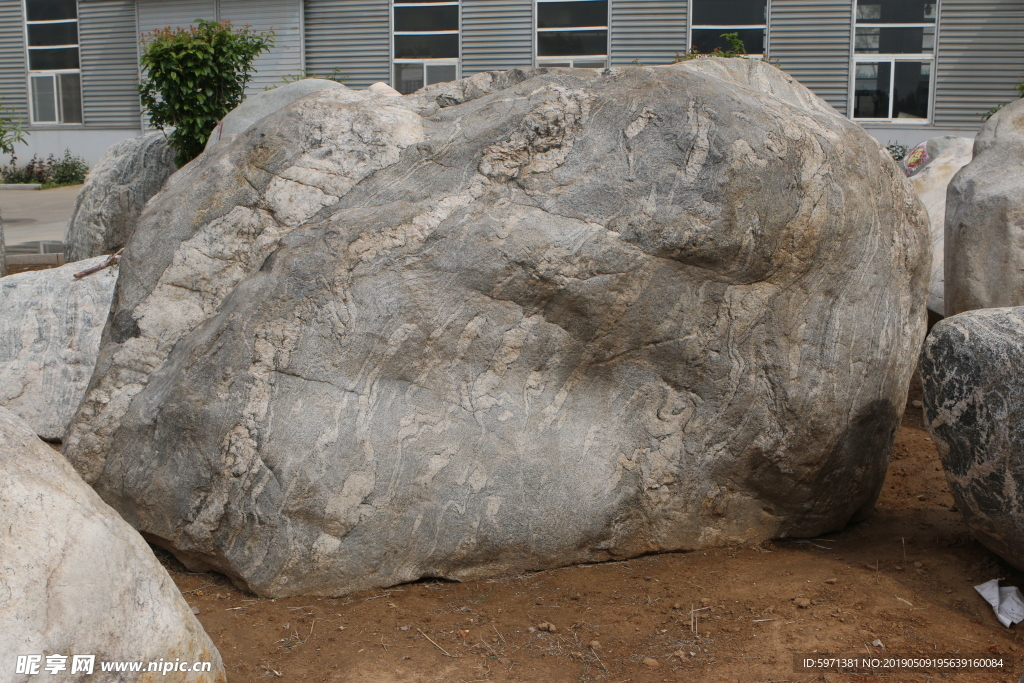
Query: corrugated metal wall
[
  {"x": 109, "y": 56},
  {"x": 154, "y": 14},
  {"x": 811, "y": 40},
  {"x": 649, "y": 31},
  {"x": 285, "y": 17},
  {"x": 496, "y": 35},
  {"x": 980, "y": 58},
  {"x": 13, "y": 83},
  {"x": 352, "y": 36}
]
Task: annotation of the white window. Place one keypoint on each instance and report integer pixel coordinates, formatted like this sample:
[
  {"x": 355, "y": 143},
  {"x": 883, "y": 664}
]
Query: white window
[
  {"x": 572, "y": 33},
  {"x": 893, "y": 56},
  {"x": 425, "y": 43},
  {"x": 713, "y": 18},
  {"x": 54, "y": 74}
]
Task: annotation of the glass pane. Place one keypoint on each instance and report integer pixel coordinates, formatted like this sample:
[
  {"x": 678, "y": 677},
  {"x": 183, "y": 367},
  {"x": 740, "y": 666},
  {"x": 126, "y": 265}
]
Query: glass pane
[
  {"x": 871, "y": 91},
  {"x": 590, "y": 65},
  {"x": 53, "y": 34},
  {"x": 707, "y": 39},
  {"x": 51, "y": 10},
  {"x": 553, "y": 64},
  {"x": 568, "y": 43},
  {"x": 408, "y": 78},
  {"x": 728, "y": 12},
  {"x": 70, "y": 86},
  {"x": 569, "y": 14},
  {"x": 413, "y": 2},
  {"x": 910, "y": 96},
  {"x": 898, "y": 41},
  {"x": 441, "y": 73},
  {"x": 53, "y": 58},
  {"x": 427, "y": 46},
  {"x": 896, "y": 11},
  {"x": 44, "y": 106},
  {"x": 444, "y": 18}
]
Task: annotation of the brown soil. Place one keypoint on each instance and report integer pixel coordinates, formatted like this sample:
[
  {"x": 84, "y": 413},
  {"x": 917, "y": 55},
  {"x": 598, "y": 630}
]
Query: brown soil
[{"x": 903, "y": 578}]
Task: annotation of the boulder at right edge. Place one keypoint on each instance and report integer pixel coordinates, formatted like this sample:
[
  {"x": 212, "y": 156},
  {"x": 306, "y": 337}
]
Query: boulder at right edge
[
  {"x": 77, "y": 580},
  {"x": 984, "y": 250},
  {"x": 117, "y": 188},
  {"x": 971, "y": 369}
]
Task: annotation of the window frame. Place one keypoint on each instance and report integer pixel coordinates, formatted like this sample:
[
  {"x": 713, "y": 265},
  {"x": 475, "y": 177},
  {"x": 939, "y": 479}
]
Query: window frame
[
  {"x": 423, "y": 61},
  {"x": 547, "y": 60},
  {"x": 767, "y": 26},
  {"x": 54, "y": 74},
  {"x": 857, "y": 58}
]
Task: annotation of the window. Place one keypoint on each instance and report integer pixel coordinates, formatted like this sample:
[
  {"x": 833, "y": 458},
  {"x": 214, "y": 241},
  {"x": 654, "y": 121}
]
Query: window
[
  {"x": 572, "y": 33},
  {"x": 426, "y": 43},
  {"x": 894, "y": 49},
  {"x": 712, "y": 18},
  {"x": 54, "y": 76}
]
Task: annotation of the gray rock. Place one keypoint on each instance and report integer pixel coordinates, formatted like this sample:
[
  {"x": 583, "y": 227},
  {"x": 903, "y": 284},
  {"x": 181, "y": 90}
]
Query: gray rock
[
  {"x": 116, "y": 189},
  {"x": 255, "y": 107},
  {"x": 78, "y": 580},
  {"x": 50, "y": 325},
  {"x": 984, "y": 252},
  {"x": 519, "y": 321},
  {"x": 974, "y": 410},
  {"x": 931, "y": 181}
]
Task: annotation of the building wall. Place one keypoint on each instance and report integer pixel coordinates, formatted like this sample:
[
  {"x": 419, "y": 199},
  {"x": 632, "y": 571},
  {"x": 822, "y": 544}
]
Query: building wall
[
  {"x": 647, "y": 31},
  {"x": 109, "y": 58},
  {"x": 350, "y": 39},
  {"x": 496, "y": 35}
]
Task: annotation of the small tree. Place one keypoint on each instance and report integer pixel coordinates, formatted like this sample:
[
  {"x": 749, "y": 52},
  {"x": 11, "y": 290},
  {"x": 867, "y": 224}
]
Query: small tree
[
  {"x": 11, "y": 131},
  {"x": 194, "y": 76}
]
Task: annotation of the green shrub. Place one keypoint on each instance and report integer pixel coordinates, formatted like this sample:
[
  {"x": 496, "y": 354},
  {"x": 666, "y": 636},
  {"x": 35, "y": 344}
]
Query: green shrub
[
  {"x": 54, "y": 172},
  {"x": 987, "y": 115},
  {"x": 11, "y": 131},
  {"x": 194, "y": 76},
  {"x": 737, "y": 48}
]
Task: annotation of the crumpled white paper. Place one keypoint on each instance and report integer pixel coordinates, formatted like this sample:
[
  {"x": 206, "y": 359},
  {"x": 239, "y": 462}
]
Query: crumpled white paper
[{"x": 1007, "y": 602}]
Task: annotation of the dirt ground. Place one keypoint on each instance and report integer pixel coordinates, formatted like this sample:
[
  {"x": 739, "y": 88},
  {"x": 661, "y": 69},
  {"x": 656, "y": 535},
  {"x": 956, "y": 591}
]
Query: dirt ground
[{"x": 898, "y": 584}]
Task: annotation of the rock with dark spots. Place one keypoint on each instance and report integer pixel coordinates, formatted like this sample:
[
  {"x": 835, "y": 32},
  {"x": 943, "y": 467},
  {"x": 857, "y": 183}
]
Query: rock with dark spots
[
  {"x": 984, "y": 250},
  {"x": 930, "y": 181},
  {"x": 974, "y": 410},
  {"x": 517, "y": 321},
  {"x": 116, "y": 189},
  {"x": 50, "y": 325},
  {"x": 255, "y": 107},
  {"x": 77, "y": 580}
]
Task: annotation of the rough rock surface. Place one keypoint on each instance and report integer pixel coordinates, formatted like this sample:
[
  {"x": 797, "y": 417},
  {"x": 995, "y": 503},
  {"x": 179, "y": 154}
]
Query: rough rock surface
[
  {"x": 931, "y": 182},
  {"x": 984, "y": 252},
  {"x": 974, "y": 410},
  {"x": 521, "y": 320},
  {"x": 77, "y": 579},
  {"x": 50, "y": 325},
  {"x": 116, "y": 189},
  {"x": 255, "y": 107}
]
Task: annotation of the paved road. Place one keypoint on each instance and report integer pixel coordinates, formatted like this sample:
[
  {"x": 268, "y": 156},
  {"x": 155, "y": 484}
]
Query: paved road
[{"x": 32, "y": 216}]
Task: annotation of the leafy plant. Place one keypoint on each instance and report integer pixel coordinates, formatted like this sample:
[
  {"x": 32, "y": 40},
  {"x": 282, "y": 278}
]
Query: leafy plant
[
  {"x": 737, "y": 48},
  {"x": 194, "y": 76},
  {"x": 987, "y": 115},
  {"x": 53, "y": 172},
  {"x": 897, "y": 151},
  {"x": 11, "y": 131}
]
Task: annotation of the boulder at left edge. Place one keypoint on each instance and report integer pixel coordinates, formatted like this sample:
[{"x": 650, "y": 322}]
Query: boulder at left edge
[
  {"x": 50, "y": 327},
  {"x": 77, "y": 580},
  {"x": 974, "y": 411}
]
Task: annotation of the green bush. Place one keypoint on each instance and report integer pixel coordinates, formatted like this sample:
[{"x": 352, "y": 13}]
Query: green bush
[
  {"x": 987, "y": 115},
  {"x": 10, "y": 131},
  {"x": 194, "y": 76},
  {"x": 737, "y": 48},
  {"x": 54, "y": 172}
]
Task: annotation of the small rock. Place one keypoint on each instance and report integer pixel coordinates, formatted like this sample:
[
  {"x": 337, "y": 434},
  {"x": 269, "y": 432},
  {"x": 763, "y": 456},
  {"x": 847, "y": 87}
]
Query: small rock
[
  {"x": 922, "y": 498},
  {"x": 595, "y": 645},
  {"x": 679, "y": 654},
  {"x": 898, "y": 568},
  {"x": 802, "y": 603},
  {"x": 195, "y": 610},
  {"x": 877, "y": 643},
  {"x": 918, "y": 565},
  {"x": 831, "y": 581},
  {"x": 545, "y": 626},
  {"x": 650, "y": 663},
  {"x": 532, "y": 629},
  {"x": 676, "y": 606},
  {"x": 917, "y": 404}
]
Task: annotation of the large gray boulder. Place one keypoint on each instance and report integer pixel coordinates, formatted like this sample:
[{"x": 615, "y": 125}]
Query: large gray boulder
[
  {"x": 116, "y": 189},
  {"x": 984, "y": 251},
  {"x": 255, "y": 107},
  {"x": 517, "y": 321},
  {"x": 77, "y": 580},
  {"x": 3, "y": 250},
  {"x": 930, "y": 181},
  {"x": 974, "y": 410},
  {"x": 50, "y": 325}
]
